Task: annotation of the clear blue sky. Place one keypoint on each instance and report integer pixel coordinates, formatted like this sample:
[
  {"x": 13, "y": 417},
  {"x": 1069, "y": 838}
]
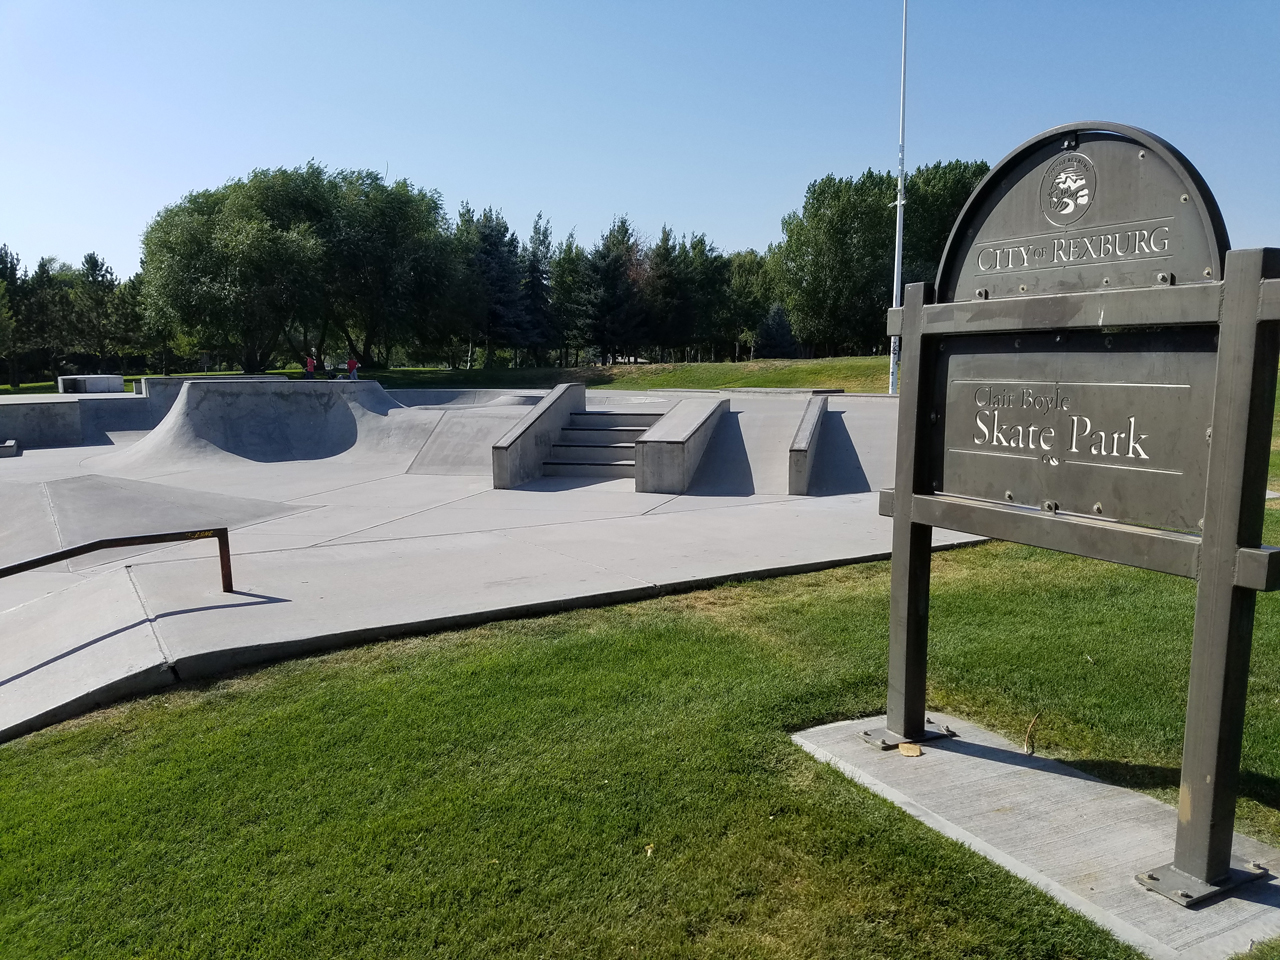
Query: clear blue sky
[{"x": 708, "y": 116}]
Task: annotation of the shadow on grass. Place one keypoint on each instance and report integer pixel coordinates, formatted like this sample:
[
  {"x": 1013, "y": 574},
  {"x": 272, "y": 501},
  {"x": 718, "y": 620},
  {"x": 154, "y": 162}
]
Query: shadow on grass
[{"x": 1144, "y": 776}]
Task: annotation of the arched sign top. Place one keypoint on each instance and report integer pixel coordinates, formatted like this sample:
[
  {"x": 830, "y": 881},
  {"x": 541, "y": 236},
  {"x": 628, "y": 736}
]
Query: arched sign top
[{"x": 1084, "y": 206}]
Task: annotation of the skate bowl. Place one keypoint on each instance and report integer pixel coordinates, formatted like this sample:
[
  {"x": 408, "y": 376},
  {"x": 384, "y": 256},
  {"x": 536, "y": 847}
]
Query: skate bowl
[{"x": 277, "y": 421}]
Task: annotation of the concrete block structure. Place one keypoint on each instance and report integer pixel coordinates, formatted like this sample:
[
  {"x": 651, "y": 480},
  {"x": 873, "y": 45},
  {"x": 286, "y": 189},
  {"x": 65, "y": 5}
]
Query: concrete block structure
[
  {"x": 668, "y": 453},
  {"x": 92, "y": 383}
]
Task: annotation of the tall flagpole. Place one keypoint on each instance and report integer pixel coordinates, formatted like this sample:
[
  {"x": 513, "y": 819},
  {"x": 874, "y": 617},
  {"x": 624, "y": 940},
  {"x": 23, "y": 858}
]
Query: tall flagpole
[{"x": 895, "y": 343}]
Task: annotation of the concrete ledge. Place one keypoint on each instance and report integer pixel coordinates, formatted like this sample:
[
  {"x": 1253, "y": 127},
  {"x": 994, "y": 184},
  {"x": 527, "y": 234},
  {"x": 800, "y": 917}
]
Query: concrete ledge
[
  {"x": 10, "y": 448},
  {"x": 518, "y": 456},
  {"x": 668, "y": 453},
  {"x": 804, "y": 446}
]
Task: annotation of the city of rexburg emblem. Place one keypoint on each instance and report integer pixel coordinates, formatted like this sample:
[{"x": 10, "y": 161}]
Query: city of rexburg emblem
[{"x": 1068, "y": 188}]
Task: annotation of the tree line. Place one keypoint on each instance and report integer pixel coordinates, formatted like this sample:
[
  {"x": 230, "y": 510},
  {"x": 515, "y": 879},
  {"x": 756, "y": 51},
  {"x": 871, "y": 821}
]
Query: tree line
[{"x": 288, "y": 263}]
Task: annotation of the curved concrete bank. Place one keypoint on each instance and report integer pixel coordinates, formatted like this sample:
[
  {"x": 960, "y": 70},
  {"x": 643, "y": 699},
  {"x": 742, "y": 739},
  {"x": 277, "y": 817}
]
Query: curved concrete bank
[{"x": 270, "y": 422}]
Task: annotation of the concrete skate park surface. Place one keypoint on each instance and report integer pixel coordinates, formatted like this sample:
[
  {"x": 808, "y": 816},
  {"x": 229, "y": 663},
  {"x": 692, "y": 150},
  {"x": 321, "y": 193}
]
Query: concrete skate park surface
[{"x": 358, "y": 513}]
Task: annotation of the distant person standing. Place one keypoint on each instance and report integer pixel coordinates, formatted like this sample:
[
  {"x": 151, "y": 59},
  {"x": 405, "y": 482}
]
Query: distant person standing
[
  {"x": 310, "y": 364},
  {"x": 352, "y": 366}
]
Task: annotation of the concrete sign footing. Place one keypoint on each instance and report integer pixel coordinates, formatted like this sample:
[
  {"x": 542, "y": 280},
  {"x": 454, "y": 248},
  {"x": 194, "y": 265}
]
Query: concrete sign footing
[{"x": 1082, "y": 841}]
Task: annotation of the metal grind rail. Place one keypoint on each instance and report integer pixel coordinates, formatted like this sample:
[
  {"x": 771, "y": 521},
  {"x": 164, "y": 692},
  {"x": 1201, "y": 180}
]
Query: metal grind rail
[{"x": 217, "y": 533}]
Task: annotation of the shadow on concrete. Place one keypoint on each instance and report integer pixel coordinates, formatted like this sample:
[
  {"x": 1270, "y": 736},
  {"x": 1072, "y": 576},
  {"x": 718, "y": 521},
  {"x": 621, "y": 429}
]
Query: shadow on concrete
[
  {"x": 837, "y": 468},
  {"x": 725, "y": 469},
  {"x": 1012, "y": 758},
  {"x": 556, "y": 484}
]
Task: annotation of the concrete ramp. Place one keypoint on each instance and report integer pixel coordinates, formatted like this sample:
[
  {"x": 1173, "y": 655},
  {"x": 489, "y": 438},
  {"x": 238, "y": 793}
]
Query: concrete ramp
[
  {"x": 856, "y": 446},
  {"x": 276, "y": 421},
  {"x": 462, "y": 443},
  {"x": 748, "y": 454}
]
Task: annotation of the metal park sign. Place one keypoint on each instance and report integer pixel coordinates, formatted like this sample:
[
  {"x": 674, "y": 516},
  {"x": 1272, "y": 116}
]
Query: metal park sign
[{"x": 1095, "y": 373}]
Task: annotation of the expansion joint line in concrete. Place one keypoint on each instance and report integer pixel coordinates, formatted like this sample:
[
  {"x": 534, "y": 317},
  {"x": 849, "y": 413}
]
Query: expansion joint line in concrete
[
  {"x": 333, "y": 541},
  {"x": 1123, "y": 931},
  {"x": 53, "y": 516},
  {"x": 342, "y": 486},
  {"x": 151, "y": 621}
]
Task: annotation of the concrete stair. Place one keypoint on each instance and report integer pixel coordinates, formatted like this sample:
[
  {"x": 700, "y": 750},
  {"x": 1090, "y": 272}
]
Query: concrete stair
[{"x": 598, "y": 443}]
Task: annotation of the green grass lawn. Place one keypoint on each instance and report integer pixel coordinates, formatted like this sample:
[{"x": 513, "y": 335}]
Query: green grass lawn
[
  {"x": 8, "y": 391},
  {"x": 853, "y": 374},
  {"x": 605, "y": 783}
]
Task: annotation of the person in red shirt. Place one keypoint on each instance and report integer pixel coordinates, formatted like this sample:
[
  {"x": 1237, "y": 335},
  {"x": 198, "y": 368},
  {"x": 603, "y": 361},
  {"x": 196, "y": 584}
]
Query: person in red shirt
[
  {"x": 310, "y": 363},
  {"x": 352, "y": 366}
]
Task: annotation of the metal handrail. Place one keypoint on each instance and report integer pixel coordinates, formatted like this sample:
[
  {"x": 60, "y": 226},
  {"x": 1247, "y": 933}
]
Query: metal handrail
[{"x": 219, "y": 533}]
